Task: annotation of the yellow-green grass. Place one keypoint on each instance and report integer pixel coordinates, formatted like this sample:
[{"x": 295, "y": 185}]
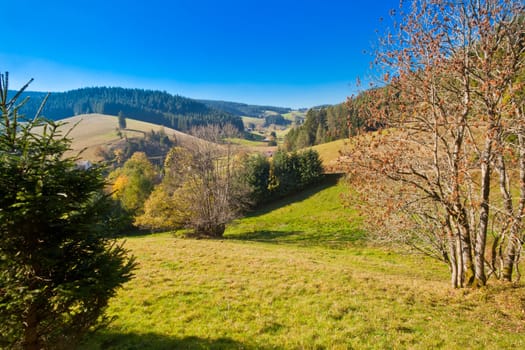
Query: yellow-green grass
[
  {"x": 287, "y": 293},
  {"x": 190, "y": 294},
  {"x": 281, "y": 133},
  {"x": 313, "y": 217},
  {"x": 248, "y": 143},
  {"x": 98, "y": 130}
]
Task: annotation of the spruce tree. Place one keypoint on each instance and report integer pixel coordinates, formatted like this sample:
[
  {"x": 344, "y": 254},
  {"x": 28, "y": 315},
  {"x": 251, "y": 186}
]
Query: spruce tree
[
  {"x": 58, "y": 266},
  {"x": 121, "y": 121}
]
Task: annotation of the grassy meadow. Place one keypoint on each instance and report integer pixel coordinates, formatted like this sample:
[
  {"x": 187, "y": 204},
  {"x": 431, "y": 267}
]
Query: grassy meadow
[
  {"x": 329, "y": 153},
  {"x": 298, "y": 275},
  {"x": 312, "y": 217},
  {"x": 293, "y": 115}
]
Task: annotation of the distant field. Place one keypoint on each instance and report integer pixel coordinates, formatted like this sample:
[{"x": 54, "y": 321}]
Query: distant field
[
  {"x": 297, "y": 275},
  {"x": 270, "y": 113},
  {"x": 294, "y": 114},
  {"x": 255, "y": 121},
  {"x": 96, "y": 130},
  {"x": 248, "y": 143}
]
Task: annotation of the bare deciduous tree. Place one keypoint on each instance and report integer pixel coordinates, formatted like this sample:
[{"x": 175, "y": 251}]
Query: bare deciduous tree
[{"x": 453, "y": 74}]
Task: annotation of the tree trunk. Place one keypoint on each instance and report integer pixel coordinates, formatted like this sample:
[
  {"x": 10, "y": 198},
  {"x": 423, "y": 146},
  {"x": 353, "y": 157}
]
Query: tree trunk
[
  {"x": 460, "y": 266},
  {"x": 511, "y": 251},
  {"x": 454, "y": 275},
  {"x": 480, "y": 279},
  {"x": 31, "y": 340},
  {"x": 464, "y": 247},
  {"x": 509, "y": 258},
  {"x": 453, "y": 257}
]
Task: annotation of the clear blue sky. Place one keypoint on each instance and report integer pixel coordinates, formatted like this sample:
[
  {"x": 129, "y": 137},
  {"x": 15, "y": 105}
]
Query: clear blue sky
[{"x": 276, "y": 52}]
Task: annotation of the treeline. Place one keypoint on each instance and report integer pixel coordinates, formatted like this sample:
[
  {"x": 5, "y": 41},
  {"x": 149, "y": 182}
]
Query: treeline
[
  {"x": 284, "y": 174},
  {"x": 276, "y": 119},
  {"x": 146, "y": 105},
  {"x": 242, "y": 109},
  {"x": 330, "y": 123}
]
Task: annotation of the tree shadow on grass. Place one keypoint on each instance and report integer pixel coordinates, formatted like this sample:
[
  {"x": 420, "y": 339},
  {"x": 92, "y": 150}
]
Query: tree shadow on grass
[
  {"x": 331, "y": 240},
  {"x": 152, "y": 341},
  {"x": 267, "y": 236}
]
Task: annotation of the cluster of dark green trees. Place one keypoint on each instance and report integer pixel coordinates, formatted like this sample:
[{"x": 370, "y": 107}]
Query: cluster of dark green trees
[
  {"x": 276, "y": 119},
  {"x": 284, "y": 174},
  {"x": 151, "y": 106},
  {"x": 58, "y": 264}
]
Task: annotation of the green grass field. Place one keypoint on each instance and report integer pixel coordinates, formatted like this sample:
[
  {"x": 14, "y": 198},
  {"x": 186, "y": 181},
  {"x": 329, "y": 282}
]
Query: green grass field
[
  {"x": 297, "y": 275},
  {"x": 247, "y": 143},
  {"x": 298, "y": 219}
]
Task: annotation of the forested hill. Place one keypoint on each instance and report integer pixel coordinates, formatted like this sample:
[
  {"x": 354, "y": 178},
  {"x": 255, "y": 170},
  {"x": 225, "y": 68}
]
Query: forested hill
[
  {"x": 242, "y": 109},
  {"x": 157, "y": 107}
]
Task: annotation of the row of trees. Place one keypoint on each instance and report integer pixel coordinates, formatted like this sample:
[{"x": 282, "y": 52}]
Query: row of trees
[
  {"x": 151, "y": 106},
  {"x": 285, "y": 174},
  {"x": 452, "y": 162},
  {"x": 276, "y": 119}
]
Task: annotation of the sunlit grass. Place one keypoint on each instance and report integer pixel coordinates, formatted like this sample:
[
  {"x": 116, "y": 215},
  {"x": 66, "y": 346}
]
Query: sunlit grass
[
  {"x": 248, "y": 143},
  {"x": 227, "y": 294},
  {"x": 316, "y": 216},
  {"x": 297, "y": 275},
  {"x": 329, "y": 152},
  {"x": 291, "y": 116}
]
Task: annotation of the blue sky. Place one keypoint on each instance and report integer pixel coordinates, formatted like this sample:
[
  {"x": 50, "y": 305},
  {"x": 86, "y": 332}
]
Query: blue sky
[{"x": 275, "y": 52}]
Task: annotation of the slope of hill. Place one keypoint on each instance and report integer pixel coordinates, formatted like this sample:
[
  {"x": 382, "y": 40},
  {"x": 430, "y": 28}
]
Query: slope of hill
[
  {"x": 330, "y": 153},
  {"x": 278, "y": 283},
  {"x": 157, "y": 107},
  {"x": 91, "y": 131}
]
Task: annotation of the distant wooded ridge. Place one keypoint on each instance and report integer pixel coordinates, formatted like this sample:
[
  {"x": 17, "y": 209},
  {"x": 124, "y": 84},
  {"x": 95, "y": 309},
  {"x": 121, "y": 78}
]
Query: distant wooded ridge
[
  {"x": 156, "y": 107},
  {"x": 243, "y": 109}
]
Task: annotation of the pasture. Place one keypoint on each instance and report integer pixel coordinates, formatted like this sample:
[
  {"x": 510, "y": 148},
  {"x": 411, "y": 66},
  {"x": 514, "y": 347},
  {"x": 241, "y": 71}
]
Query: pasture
[{"x": 298, "y": 275}]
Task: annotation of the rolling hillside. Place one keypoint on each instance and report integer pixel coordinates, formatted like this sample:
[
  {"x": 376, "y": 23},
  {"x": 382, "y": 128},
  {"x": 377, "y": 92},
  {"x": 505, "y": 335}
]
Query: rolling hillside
[
  {"x": 297, "y": 275},
  {"x": 329, "y": 153},
  {"x": 156, "y": 107},
  {"x": 90, "y": 131}
]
